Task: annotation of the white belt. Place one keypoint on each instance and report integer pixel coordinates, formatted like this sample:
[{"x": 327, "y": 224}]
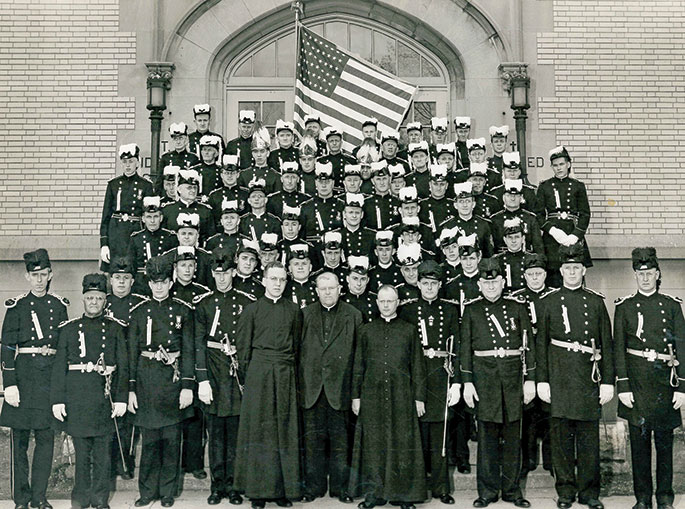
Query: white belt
[
  {"x": 159, "y": 356},
  {"x": 650, "y": 355},
  {"x": 40, "y": 350},
  {"x": 572, "y": 345},
  {"x": 431, "y": 353},
  {"x": 90, "y": 367},
  {"x": 226, "y": 348},
  {"x": 497, "y": 352},
  {"x": 595, "y": 355}
]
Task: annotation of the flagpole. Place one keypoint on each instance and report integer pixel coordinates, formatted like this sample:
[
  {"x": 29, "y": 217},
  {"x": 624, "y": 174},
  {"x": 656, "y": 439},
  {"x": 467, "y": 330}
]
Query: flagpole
[{"x": 297, "y": 7}]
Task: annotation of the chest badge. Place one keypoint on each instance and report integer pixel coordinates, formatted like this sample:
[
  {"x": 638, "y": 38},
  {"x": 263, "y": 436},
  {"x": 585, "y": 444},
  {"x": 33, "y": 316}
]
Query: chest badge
[{"x": 178, "y": 322}]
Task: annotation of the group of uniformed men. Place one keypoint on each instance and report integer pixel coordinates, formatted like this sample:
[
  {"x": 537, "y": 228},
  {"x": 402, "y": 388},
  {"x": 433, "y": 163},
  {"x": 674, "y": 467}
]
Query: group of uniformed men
[{"x": 329, "y": 322}]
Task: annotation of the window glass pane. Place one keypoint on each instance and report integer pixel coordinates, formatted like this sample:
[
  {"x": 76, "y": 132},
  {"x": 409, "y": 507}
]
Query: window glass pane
[
  {"x": 409, "y": 62},
  {"x": 428, "y": 70},
  {"x": 286, "y": 56},
  {"x": 272, "y": 111},
  {"x": 337, "y": 32},
  {"x": 251, "y": 105},
  {"x": 361, "y": 41},
  {"x": 317, "y": 29},
  {"x": 245, "y": 69},
  {"x": 264, "y": 61},
  {"x": 424, "y": 111},
  {"x": 384, "y": 54}
]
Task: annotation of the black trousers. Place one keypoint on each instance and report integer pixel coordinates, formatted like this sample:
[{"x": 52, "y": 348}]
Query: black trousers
[
  {"x": 194, "y": 442},
  {"x": 126, "y": 430},
  {"x": 499, "y": 460},
  {"x": 431, "y": 439},
  {"x": 325, "y": 449},
  {"x": 575, "y": 443},
  {"x": 641, "y": 453},
  {"x": 159, "y": 457},
  {"x": 223, "y": 435},
  {"x": 91, "y": 475},
  {"x": 459, "y": 433},
  {"x": 41, "y": 465},
  {"x": 535, "y": 427}
]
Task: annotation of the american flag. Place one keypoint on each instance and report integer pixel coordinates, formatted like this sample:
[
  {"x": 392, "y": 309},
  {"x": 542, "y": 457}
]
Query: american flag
[{"x": 344, "y": 90}]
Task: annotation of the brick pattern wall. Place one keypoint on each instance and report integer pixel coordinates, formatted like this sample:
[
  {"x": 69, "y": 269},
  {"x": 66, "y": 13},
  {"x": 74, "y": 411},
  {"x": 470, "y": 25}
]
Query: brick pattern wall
[
  {"x": 619, "y": 107},
  {"x": 60, "y": 112}
]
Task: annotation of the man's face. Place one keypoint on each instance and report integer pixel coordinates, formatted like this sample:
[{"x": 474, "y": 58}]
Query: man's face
[
  {"x": 245, "y": 129},
  {"x": 410, "y": 237},
  {"x": 414, "y": 136},
  {"x": 561, "y": 167},
  {"x": 274, "y": 281},
  {"x": 451, "y": 252},
  {"x": 469, "y": 263},
  {"x": 647, "y": 279},
  {"x": 491, "y": 288},
  {"x": 463, "y": 133},
  {"x": 208, "y": 154},
  {"x": 229, "y": 176},
  {"x": 246, "y": 263},
  {"x": 290, "y": 228},
  {"x": 409, "y": 209},
  {"x": 285, "y": 138},
  {"x": 257, "y": 200},
  {"x": 389, "y": 149},
  {"x": 478, "y": 183},
  {"x": 187, "y": 236},
  {"x": 512, "y": 201},
  {"x": 357, "y": 282},
  {"x": 396, "y": 184},
  {"x": 366, "y": 172},
  {"x": 535, "y": 278},
  {"x": 314, "y": 129},
  {"x": 509, "y": 173},
  {"x": 446, "y": 159},
  {"x": 223, "y": 279},
  {"x": 385, "y": 254},
  {"x": 369, "y": 131},
  {"x": 332, "y": 256},
  {"x": 572, "y": 274},
  {"x": 419, "y": 159},
  {"x": 39, "y": 279},
  {"x": 185, "y": 270},
  {"x": 94, "y": 302},
  {"x": 289, "y": 181},
  {"x": 300, "y": 268},
  {"x": 129, "y": 165},
  {"x": 381, "y": 183},
  {"x": 438, "y": 188},
  {"x": 499, "y": 144},
  {"x": 170, "y": 189},
  {"x": 152, "y": 220},
  {"x": 410, "y": 273},
  {"x": 121, "y": 284},
  {"x": 334, "y": 144},
  {"x": 307, "y": 163},
  {"x": 514, "y": 242},
  {"x": 387, "y": 301},
  {"x": 179, "y": 142},
  {"x": 230, "y": 221},
  {"x": 260, "y": 155},
  {"x": 429, "y": 288},
  {"x": 477, "y": 155},
  {"x": 187, "y": 192},
  {"x": 268, "y": 256},
  {"x": 328, "y": 290},
  {"x": 439, "y": 136},
  {"x": 352, "y": 183},
  {"x": 202, "y": 122},
  {"x": 353, "y": 216},
  {"x": 465, "y": 206},
  {"x": 324, "y": 187},
  {"x": 160, "y": 289}
]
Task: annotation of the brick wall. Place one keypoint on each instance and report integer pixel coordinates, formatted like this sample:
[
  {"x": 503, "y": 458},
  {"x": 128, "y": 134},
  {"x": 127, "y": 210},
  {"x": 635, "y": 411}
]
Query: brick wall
[
  {"x": 618, "y": 106},
  {"x": 60, "y": 112}
]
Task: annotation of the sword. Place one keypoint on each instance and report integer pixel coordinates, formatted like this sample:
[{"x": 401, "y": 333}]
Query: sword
[
  {"x": 108, "y": 393},
  {"x": 450, "y": 373}
]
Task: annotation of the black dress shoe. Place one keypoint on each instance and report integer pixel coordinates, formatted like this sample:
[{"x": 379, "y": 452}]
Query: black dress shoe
[
  {"x": 663, "y": 506},
  {"x": 126, "y": 476},
  {"x": 200, "y": 474},
  {"x": 258, "y": 504},
  {"x": 234, "y": 498},
  {"x": 564, "y": 503},
  {"x": 345, "y": 499},
  {"x": 284, "y": 502},
  {"x": 407, "y": 506},
  {"x": 308, "y": 497},
  {"x": 592, "y": 503},
  {"x": 365, "y": 505},
  {"x": 464, "y": 468},
  {"x": 447, "y": 499},
  {"x": 167, "y": 501},
  {"x": 214, "y": 498},
  {"x": 142, "y": 502},
  {"x": 483, "y": 502},
  {"x": 21, "y": 506},
  {"x": 43, "y": 504},
  {"x": 106, "y": 506},
  {"x": 643, "y": 505},
  {"x": 519, "y": 502}
]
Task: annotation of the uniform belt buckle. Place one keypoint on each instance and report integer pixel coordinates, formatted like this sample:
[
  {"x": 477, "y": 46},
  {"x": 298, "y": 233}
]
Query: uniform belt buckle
[
  {"x": 90, "y": 367},
  {"x": 563, "y": 215},
  {"x": 430, "y": 353},
  {"x": 576, "y": 346},
  {"x": 499, "y": 352},
  {"x": 650, "y": 355},
  {"x": 44, "y": 350},
  {"x": 124, "y": 217},
  {"x": 228, "y": 348},
  {"x": 158, "y": 356}
]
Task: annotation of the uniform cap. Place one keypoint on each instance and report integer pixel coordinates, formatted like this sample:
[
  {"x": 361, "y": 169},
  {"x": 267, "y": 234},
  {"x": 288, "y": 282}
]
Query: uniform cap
[
  {"x": 290, "y": 167},
  {"x": 534, "y": 260},
  {"x": 331, "y": 131},
  {"x": 430, "y": 269},
  {"x": 282, "y": 125},
  {"x": 248, "y": 246},
  {"x": 572, "y": 254},
  {"x": 499, "y": 131},
  {"x": 511, "y": 159},
  {"x": 202, "y": 108},
  {"x": 178, "y": 129},
  {"x": 475, "y": 144},
  {"x": 228, "y": 206},
  {"x": 396, "y": 171},
  {"x": 332, "y": 240},
  {"x": 159, "y": 268},
  {"x": 490, "y": 268},
  {"x": 367, "y": 153},
  {"x": 370, "y": 121},
  {"x": 268, "y": 241},
  {"x": 513, "y": 186},
  {"x": 446, "y": 148},
  {"x": 353, "y": 169},
  {"x": 409, "y": 194},
  {"x": 94, "y": 283},
  {"x": 422, "y": 146},
  {"x": 323, "y": 171},
  {"x": 448, "y": 236},
  {"x": 222, "y": 261},
  {"x": 390, "y": 134},
  {"x": 379, "y": 168},
  {"x": 463, "y": 190},
  {"x": 170, "y": 172},
  {"x": 439, "y": 124},
  {"x": 384, "y": 238},
  {"x": 410, "y": 224},
  {"x": 185, "y": 220},
  {"x": 409, "y": 254},
  {"x": 246, "y": 116},
  {"x": 513, "y": 225},
  {"x": 191, "y": 177},
  {"x": 121, "y": 265},
  {"x": 468, "y": 244},
  {"x": 462, "y": 122},
  {"x": 37, "y": 260},
  {"x": 184, "y": 253},
  {"x": 559, "y": 151},
  {"x": 312, "y": 118},
  {"x": 354, "y": 200},
  {"x": 414, "y": 126},
  {"x": 358, "y": 264},
  {"x": 438, "y": 172},
  {"x": 152, "y": 203},
  {"x": 261, "y": 139},
  {"x": 210, "y": 140},
  {"x": 644, "y": 258},
  {"x": 129, "y": 151},
  {"x": 256, "y": 184},
  {"x": 478, "y": 169},
  {"x": 300, "y": 251},
  {"x": 308, "y": 146},
  {"x": 291, "y": 212}
]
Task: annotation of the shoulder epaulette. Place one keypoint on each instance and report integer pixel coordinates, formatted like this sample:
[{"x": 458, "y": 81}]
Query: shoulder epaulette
[
  {"x": 448, "y": 301},
  {"x": 525, "y": 212},
  {"x": 496, "y": 188},
  {"x": 204, "y": 205},
  {"x": 203, "y": 287},
  {"x": 198, "y": 298},
  {"x": 516, "y": 298},
  {"x": 483, "y": 219},
  {"x": 675, "y": 298},
  {"x": 248, "y": 295},
  {"x": 471, "y": 301},
  {"x": 451, "y": 301},
  {"x": 594, "y": 292},
  {"x": 138, "y": 232},
  {"x": 65, "y": 322},
  {"x": 172, "y": 232},
  {"x": 214, "y": 191},
  {"x": 146, "y": 178},
  {"x": 551, "y": 292},
  {"x": 410, "y": 301},
  {"x": 530, "y": 186},
  {"x": 215, "y": 235},
  {"x": 138, "y": 305},
  {"x": 10, "y": 303},
  {"x": 496, "y": 214},
  {"x": 168, "y": 251},
  {"x": 546, "y": 292},
  {"x": 273, "y": 194},
  {"x": 114, "y": 178},
  {"x": 142, "y": 297},
  {"x": 621, "y": 300},
  {"x": 116, "y": 320},
  {"x": 517, "y": 292},
  {"x": 63, "y": 300},
  {"x": 176, "y": 299},
  {"x": 306, "y": 202},
  {"x": 491, "y": 196},
  {"x": 273, "y": 215},
  {"x": 202, "y": 250},
  {"x": 167, "y": 203}
]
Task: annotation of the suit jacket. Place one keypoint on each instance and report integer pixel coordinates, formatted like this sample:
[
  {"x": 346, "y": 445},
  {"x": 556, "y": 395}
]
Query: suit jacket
[{"x": 326, "y": 361}]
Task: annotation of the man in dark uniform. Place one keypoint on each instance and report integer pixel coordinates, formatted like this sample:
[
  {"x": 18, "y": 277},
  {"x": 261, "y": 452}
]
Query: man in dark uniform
[
  {"x": 649, "y": 338},
  {"x": 323, "y": 212},
  {"x": 498, "y": 371},
  {"x": 358, "y": 293},
  {"x": 352, "y": 179},
  {"x": 219, "y": 385},
  {"x": 89, "y": 389},
  {"x": 161, "y": 380},
  {"x": 576, "y": 375},
  {"x": 462, "y": 125},
  {"x": 420, "y": 162},
  {"x": 267, "y": 463},
  {"x": 258, "y": 221},
  {"x": 409, "y": 257},
  {"x": 301, "y": 288},
  {"x": 450, "y": 253},
  {"x": 246, "y": 259},
  {"x": 242, "y": 145},
  {"x": 187, "y": 235},
  {"x": 435, "y": 208},
  {"x": 369, "y": 129},
  {"x": 209, "y": 167},
  {"x": 511, "y": 170},
  {"x": 179, "y": 155},
  {"x": 356, "y": 239},
  {"x": 330, "y": 250},
  {"x": 312, "y": 126},
  {"x": 439, "y": 134},
  {"x": 398, "y": 179},
  {"x": 437, "y": 324},
  {"x": 414, "y": 132},
  {"x": 513, "y": 258},
  {"x": 379, "y": 211},
  {"x": 289, "y": 194},
  {"x": 290, "y": 230},
  {"x": 169, "y": 177},
  {"x": 512, "y": 197},
  {"x": 325, "y": 362},
  {"x": 308, "y": 151},
  {"x": 118, "y": 306},
  {"x": 229, "y": 189},
  {"x": 467, "y": 221},
  {"x": 386, "y": 271},
  {"x": 479, "y": 176},
  {"x": 498, "y": 142},
  {"x": 202, "y": 114},
  {"x": 260, "y": 169},
  {"x": 29, "y": 337},
  {"x": 187, "y": 187},
  {"x": 335, "y": 155},
  {"x": 563, "y": 212},
  {"x": 286, "y": 151},
  {"x": 123, "y": 205},
  {"x": 390, "y": 140},
  {"x": 229, "y": 236}
]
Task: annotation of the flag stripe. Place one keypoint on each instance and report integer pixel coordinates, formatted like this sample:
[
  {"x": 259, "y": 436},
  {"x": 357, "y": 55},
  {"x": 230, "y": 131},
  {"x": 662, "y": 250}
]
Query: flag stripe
[
  {"x": 366, "y": 73},
  {"x": 365, "y": 89},
  {"x": 328, "y": 118},
  {"x": 339, "y": 119}
]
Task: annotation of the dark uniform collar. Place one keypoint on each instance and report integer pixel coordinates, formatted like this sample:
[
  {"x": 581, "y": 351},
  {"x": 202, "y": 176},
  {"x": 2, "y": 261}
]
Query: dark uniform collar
[
  {"x": 271, "y": 299},
  {"x": 647, "y": 294}
]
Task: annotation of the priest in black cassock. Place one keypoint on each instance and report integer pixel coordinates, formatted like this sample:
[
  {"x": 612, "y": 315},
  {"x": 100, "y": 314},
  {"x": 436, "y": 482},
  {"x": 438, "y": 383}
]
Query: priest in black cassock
[
  {"x": 267, "y": 464},
  {"x": 389, "y": 394}
]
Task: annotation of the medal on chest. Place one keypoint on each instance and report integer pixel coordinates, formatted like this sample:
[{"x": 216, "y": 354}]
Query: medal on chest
[{"x": 178, "y": 322}]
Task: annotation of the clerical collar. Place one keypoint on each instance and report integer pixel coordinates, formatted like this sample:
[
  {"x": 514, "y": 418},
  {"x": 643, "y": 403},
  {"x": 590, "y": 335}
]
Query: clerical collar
[
  {"x": 271, "y": 299},
  {"x": 431, "y": 300},
  {"x": 647, "y": 294},
  {"x": 186, "y": 203},
  {"x": 329, "y": 309},
  {"x": 388, "y": 318}
]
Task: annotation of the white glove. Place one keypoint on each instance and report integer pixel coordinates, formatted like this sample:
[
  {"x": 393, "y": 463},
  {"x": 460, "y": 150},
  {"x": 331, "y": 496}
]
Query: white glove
[
  {"x": 453, "y": 396},
  {"x": 132, "y": 402},
  {"x": 572, "y": 239},
  {"x": 356, "y": 403},
  {"x": 544, "y": 392},
  {"x": 558, "y": 235},
  {"x": 119, "y": 409},
  {"x": 12, "y": 395},
  {"x": 627, "y": 398},
  {"x": 470, "y": 394},
  {"x": 420, "y": 408},
  {"x": 59, "y": 411},
  {"x": 204, "y": 392},
  {"x": 185, "y": 399},
  {"x": 528, "y": 391},
  {"x": 104, "y": 254},
  {"x": 678, "y": 400},
  {"x": 606, "y": 393}
]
